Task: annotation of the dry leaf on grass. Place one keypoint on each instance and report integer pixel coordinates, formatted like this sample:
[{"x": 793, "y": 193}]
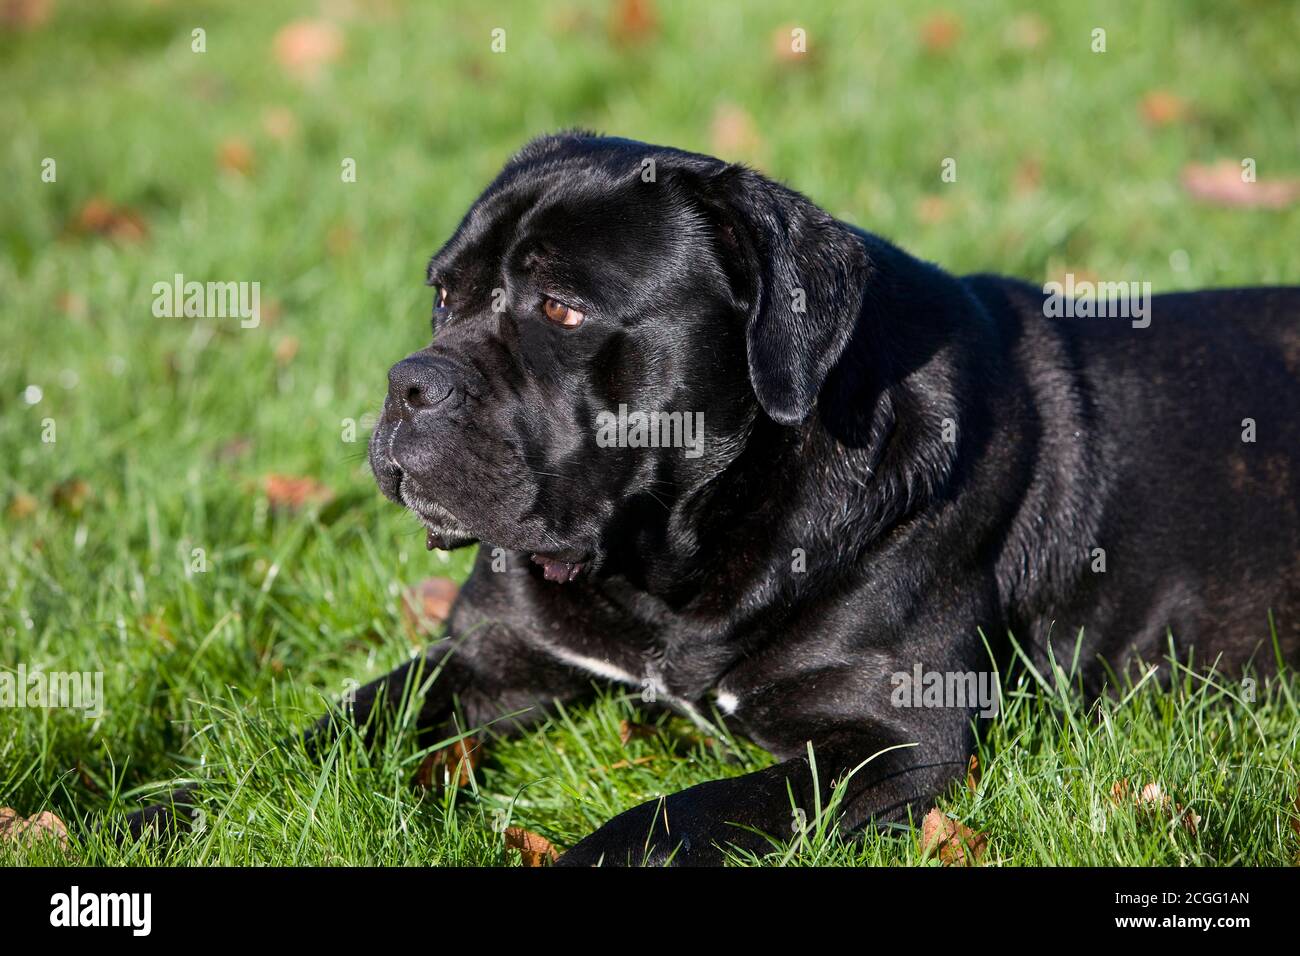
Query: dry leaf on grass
[
  {"x": 955, "y": 843},
  {"x": 629, "y": 730},
  {"x": 16, "y": 828},
  {"x": 71, "y": 495},
  {"x": 534, "y": 850},
  {"x": 1152, "y": 800},
  {"x": 1162, "y": 108},
  {"x": 940, "y": 32},
  {"x": 291, "y": 494},
  {"x": 21, "y": 505},
  {"x": 234, "y": 155},
  {"x": 99, "y": 217},
  {"x": 458, "y": 761},
  {"x": 305, "y": 47},
  {"x": 1221, "y": 184},
  {"x": 973, "y": 773},
  {"x": 734, "y": 133},
  {"x": 25, "y": 14},
  {"x": 426, "y": 605},
  {"x": 633, "y": 21}
]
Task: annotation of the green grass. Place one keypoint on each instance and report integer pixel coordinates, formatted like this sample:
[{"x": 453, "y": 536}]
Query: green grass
[{"x": 204, "y": 672}]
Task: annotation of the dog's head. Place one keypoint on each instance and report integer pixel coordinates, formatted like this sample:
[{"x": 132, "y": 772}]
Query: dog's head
[{"x": 610, "y": 318}]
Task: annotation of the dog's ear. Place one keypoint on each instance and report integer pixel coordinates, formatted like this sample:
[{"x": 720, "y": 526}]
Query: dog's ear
[{"x": 802, "y": 277}]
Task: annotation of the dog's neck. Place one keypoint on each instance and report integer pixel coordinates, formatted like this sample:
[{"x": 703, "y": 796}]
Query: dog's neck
[{"x": 885, "y": 437}]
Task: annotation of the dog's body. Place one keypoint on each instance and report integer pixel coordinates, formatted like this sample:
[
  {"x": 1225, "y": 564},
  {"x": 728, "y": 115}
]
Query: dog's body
[{"x": 899, "y": 469}]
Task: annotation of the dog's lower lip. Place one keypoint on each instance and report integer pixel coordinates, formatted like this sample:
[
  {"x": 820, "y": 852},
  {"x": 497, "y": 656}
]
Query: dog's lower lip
[{"x": 558, "y": 569}]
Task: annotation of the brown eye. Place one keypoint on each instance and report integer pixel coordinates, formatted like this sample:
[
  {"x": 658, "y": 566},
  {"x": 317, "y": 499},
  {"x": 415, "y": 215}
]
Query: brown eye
[{"x": 561, "y": 314}]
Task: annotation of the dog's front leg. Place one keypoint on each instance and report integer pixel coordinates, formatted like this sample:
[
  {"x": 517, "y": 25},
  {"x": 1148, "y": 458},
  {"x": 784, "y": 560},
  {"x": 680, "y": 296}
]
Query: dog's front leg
[{"x": 887, "y": 777}]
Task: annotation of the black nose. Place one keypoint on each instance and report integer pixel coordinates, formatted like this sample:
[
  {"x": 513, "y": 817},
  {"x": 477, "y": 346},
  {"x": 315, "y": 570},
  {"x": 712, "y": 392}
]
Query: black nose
[{"x": 422, "y": 382}]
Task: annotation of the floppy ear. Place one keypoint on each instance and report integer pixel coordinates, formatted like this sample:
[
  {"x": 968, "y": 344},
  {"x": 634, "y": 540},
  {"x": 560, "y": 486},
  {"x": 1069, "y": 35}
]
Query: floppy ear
[{"x": 807, "y": 272}]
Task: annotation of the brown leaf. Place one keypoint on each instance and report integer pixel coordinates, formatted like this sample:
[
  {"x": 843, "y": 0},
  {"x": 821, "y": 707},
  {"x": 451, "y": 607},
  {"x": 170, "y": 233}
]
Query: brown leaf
[
  {"x": 21, "y": 505},
  {"x": 733, "y": 132},
  {"x": 26, "y": 830},
  {"x": 234, "y": 448},
  {"x": 940, "y": 32},
  {"x": 633, "y": 21},
  {"x": 235, "y": 156},
  {"x": 973, "y": 773},
  {"x": 426, "y": 605},
  {"x": 286, "y": 348},
  {"x": 629, "y": 730},
  {"x": 71, "y": 495},
  {"x": 1027, "y": 31},
  {"x": 460, "y": 759},
  {"x": 790, "y": 48},
  {"x": 292, "y": 494},
  {"x": 956, "y": 843},
  {"x": 25, "y": 14},
  {"x": 1162, "y": 108},
  {"x": 1027, "y": 177},
  {"x": 534, "y": 850},
  {"x": 280, "y": 124},
  {"x": 305, "y": 47},
  {"x": 1222, "y": 184},
  {"x": 99, "y": 217},
  {"x": 932, "y": 210},
  {"x": 156, "y": 626}
]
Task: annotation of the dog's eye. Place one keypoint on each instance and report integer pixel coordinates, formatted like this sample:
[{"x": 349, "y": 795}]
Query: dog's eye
[
  {"x": 561, "y": 314},
  {"x": 440, "y": 298}
]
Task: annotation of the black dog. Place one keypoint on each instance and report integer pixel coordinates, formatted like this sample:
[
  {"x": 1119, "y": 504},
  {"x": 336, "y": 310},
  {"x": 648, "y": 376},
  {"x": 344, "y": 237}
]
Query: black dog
[{"x": 724, "y": 447}]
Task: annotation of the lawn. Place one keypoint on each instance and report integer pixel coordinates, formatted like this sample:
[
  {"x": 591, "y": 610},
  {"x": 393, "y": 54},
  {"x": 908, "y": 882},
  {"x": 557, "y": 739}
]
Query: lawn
[{"x": 150, "y": 529}]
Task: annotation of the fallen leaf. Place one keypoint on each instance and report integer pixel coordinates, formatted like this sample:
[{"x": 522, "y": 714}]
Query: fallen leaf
[
  {"x": 624, "y": 764},
  {"x": 73, "y": 304},
  {"x": 304, "y": 48},
  {"x": 71, "y": 495},
  {"x": 733, "y": 132},
  {"x": 629, "y": 730},
  {"x": 25, "y": 14},
  {"x": 1153, "y": 796},
  {"x": 280, "y": 124},
  {"x": 973, "y": 773},
  {"x": 234, "y": 448},
  {"x": 633, "y": 21},
  {"x": 99, "y": 217},
  {"x": 932, "y": 210},
  {"x": 940, "y": 32},
  {"x": 534, "y": 850},
  {"x": 461, "y": 758},
  {"x": 1027, "y": 31},
  {"x": 25, "y": 830},
  {"x": 427, "y": 604},
  {"x": 789, "y": 47},
  {"x": 156, "y": 626},
  {"x": 285, "y": 350},
  {"x": 235, "y": 156},
  {"x": 1222, "y": 184},
  {"x": 22, "y": 505},
  {"x": 1162, "y": 108},
  {"x": 1027, "y": 177},
  {"x": 956, "y": 843},
  {"x": 291, "y": 494}
]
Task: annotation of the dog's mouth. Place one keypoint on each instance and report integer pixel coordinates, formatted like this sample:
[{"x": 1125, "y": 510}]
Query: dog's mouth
[
  {"x": 557, "y": 568},
  {"x": 445, "y": 532}
]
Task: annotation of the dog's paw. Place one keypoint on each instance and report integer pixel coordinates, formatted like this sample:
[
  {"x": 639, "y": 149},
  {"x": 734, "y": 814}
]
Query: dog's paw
[{"x": 653, "y": 834}]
